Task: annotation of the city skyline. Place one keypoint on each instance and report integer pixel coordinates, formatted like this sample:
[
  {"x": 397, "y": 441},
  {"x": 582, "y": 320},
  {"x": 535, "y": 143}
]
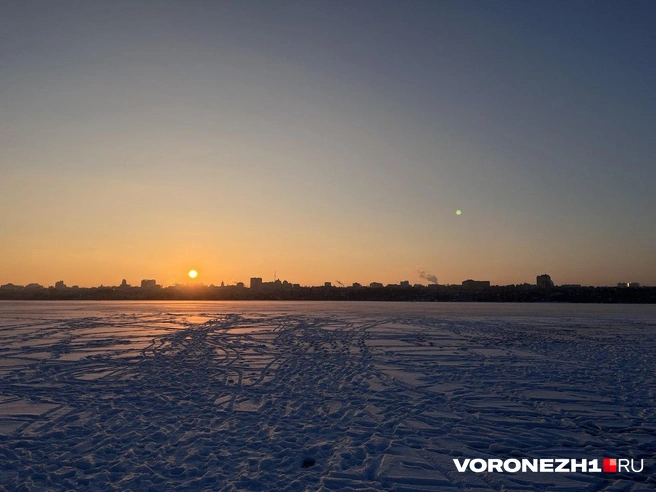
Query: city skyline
[
  {"x": 338, "y": 140},
  {"x": 543, "y": 290},
  {"x": 542, "y": 280}
]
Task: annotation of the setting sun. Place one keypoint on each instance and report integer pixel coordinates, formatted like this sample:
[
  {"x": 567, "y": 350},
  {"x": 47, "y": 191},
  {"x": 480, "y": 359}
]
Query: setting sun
[{"x": 193, "y": 274}]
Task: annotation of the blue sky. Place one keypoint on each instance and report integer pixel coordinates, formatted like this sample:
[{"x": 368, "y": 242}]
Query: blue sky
[{"x": 327, "y": 140}]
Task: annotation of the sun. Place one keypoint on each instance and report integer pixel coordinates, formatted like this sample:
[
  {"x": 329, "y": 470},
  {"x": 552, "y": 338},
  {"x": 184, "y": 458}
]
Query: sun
[{"x": 193, "y": 274}]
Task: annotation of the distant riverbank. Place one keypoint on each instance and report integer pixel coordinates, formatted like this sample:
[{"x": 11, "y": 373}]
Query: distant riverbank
[{"x": 431, "y": 293}]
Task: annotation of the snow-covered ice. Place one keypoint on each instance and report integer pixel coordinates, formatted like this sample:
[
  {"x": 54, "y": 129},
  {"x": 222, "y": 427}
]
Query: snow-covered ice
[{"x": 321, "y": 396}]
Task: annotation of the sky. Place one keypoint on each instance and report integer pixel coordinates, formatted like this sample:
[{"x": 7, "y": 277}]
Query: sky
[{"x": 327, "y": 141}]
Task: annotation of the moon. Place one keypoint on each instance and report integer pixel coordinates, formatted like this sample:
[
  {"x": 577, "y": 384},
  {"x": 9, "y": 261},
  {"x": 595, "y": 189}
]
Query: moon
[
  {"x": 193, "y": 274},
  {"x": 458, "y": 212}
]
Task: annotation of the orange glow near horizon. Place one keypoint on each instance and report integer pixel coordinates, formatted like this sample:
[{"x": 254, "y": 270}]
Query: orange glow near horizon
[{"x": 452, "y": 260}]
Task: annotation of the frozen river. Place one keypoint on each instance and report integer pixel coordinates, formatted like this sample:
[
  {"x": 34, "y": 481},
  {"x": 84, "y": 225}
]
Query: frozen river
[{"x": 322, "y": 396}]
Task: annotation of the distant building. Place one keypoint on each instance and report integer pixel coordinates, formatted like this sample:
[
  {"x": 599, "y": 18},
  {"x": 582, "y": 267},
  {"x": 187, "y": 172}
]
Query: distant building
[
  {"x": 124, "y": 284},
  {"x": 376, "y": 285},
  {"x": 240, "y": 285},
  {"x": 256, "y": 282},
  {"x": 544, "y": 281},
  {"x": 60, "y": 285},
  {"x": 628, "y": 284},
  {"x": 475, "y": 284},
  {"x": 148, "y": 284},
  {"x": 405, "y": 283},
  {"x": 327, "y": 284}
]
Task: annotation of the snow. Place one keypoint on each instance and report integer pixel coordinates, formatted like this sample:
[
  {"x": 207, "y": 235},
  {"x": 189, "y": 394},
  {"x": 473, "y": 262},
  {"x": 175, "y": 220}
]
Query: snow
[{"x": 380, "y": 396}]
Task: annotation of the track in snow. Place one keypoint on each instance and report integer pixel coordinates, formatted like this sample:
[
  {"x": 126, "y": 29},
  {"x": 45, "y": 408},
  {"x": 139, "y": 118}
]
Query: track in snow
[{"x": 186, "y": 401}]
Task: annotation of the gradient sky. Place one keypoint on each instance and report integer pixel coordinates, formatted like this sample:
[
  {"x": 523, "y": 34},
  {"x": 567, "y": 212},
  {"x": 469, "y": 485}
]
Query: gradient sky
[{"x": 327, "y": 140}]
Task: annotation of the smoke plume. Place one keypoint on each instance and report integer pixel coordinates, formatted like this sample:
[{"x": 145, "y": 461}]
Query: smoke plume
[{"x": 428, "y": 276}]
